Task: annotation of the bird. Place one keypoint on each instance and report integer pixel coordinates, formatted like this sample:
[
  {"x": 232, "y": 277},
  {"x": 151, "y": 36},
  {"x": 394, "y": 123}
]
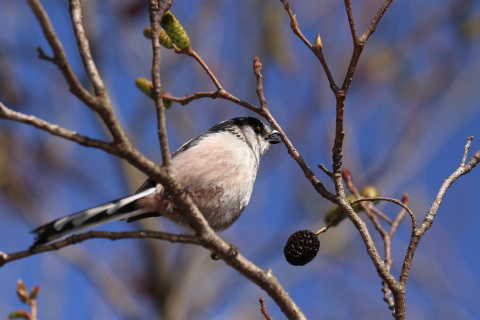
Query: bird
[{"x": 217, "y": 169}]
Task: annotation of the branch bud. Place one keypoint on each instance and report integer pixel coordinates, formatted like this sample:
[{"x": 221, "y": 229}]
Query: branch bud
[
  {"x": 370, "y": 192},
  {"x": 22, "y": 291},
  {"x": 257, "y": 63},
  {"x": 34, "y": 293},
  {"x": 19, "y": 314},
  {"x": 347, "y": 175},
  {"x": 145, "y": 85},
  {"x": 318, "y": 42}
]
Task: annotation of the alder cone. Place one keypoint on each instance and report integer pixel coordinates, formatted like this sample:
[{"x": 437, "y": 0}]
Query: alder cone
[{"x": 301, "y": 247}]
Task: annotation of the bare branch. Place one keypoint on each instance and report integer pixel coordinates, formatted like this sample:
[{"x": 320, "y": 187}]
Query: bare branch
[
  {"x": 77, "y": 238},
  {"x": 59, "y": 58},
  {"x": 156, "y": 12},
  {"x": 373, "y": 25},
  {"x": 192, "y": 53},
  {"x": 257, "y": 69},
  {"x": 56, "y": 130},
  {"x": 419, "y": 232},
  {"x": 263, "y": 309},
  {"x": 265, "y": 112},
  {"x": 318, "y": 53},
  {"x": 351, "y": 20},
  {"x": 405, "y": 200},
  {"x": 102, "y": 104},
  {"x": 396, "y": 201},
  {"x": 465, "y": 152},
  {"x": 84, "y": 49}
]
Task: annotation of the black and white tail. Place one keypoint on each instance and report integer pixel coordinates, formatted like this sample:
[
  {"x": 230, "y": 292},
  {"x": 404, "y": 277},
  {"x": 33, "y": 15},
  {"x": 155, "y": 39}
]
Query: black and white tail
[{"x": 124, "y": 208}]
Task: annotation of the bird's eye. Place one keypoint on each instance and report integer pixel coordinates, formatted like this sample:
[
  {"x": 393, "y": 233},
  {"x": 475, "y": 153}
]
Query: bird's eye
[{"x": 257, "y": 129}]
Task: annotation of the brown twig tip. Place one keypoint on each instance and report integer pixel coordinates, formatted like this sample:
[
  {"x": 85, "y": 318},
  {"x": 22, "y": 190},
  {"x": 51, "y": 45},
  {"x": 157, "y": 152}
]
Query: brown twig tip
[
  {"x": 347, "y": 175},
  {"x": 257, "y": 64},
  {"x": 264, "y": 309},
  {"x": 405, "y": 198}
]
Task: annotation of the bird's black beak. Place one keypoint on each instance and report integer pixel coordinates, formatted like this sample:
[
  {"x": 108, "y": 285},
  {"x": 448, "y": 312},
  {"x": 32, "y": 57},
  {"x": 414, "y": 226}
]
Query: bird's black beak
[{"x": 272, "y": 139}]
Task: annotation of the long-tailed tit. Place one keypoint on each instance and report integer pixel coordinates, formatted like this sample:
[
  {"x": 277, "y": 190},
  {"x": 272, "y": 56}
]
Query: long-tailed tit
[{"x": 217, "y": 168}]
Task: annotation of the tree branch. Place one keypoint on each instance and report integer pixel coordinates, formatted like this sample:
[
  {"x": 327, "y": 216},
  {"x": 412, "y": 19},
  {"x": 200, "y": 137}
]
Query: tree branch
[
  {"x": 102, "y": 104},
  {"x": 54, "y": 129},
  {"x": 419, "y": 232},
  {"x": 373, "y": 25},
  {"x": 59, "y": 58},
  {"x": 351, "y": 20},
  {"x": 77, "y": 238},
  {"x": 156, "y": 11},
  {"x": 396, "y": 201},
  {"x": 318, "y": 53},
  {"x": 192, "y": 53}
]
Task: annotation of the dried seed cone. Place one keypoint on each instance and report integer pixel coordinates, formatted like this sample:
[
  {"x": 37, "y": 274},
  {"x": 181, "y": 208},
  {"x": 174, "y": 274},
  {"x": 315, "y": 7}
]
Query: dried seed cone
[
  {"x": 162, "y": 36},
  {"x": 175, "y": 31},
  {"x": 301, "y": 247}
]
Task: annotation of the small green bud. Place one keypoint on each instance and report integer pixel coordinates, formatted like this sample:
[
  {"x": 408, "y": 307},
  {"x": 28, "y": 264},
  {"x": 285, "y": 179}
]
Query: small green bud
[
  {"x": 175, "y": 31},
  {"x": 165, "y": 39},
  {"x": 167, "y": 103},
  {"x": 34, "y": 293},
  {"x": 162, "y": 36},
  {"x": 145, "y": 85},
  {"x": 318, "y": 42},
  {"x": 370, "y": 192},
  {"x": 22, "y": 292},
  {"x": 147, "y": 32},
  {"x": 19, "y": 314}
]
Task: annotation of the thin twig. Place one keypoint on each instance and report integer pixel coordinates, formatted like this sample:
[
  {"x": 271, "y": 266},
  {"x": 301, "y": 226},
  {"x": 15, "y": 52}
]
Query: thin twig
[
  {"x": 465, "y": 152},
  {"x": 427, "y": 222},
  {"x": 257, "y": 69},
  {"x": 192, "y": 53},
  {"x": 380, "y": 214},
  {"x": 59, "y": 58},
  {"x": 54, "y": 129},
  {"x": 263, "y": 309},
  {"x": 265, "y": 112},
  {"x": 419, "y": 232},
  {"x": 84, "y": 49},
  {"x": 396, "y": 201},
  {"x": 351, "y": 20},
  {"x": 387, "y": 297},
  {"x": 318, "y": 53},
  {"x": 331, "y": 223},
  {"x": 77, "y": 238},
  {"x": 156, "y": 11},
  {"x": 400, "y": 216},
  {"x": 325, "y": 170},
  {"x": 368, "y": 208},
  {"x": 373, "y": 25},
  {"x": 102, "y": 104}
]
